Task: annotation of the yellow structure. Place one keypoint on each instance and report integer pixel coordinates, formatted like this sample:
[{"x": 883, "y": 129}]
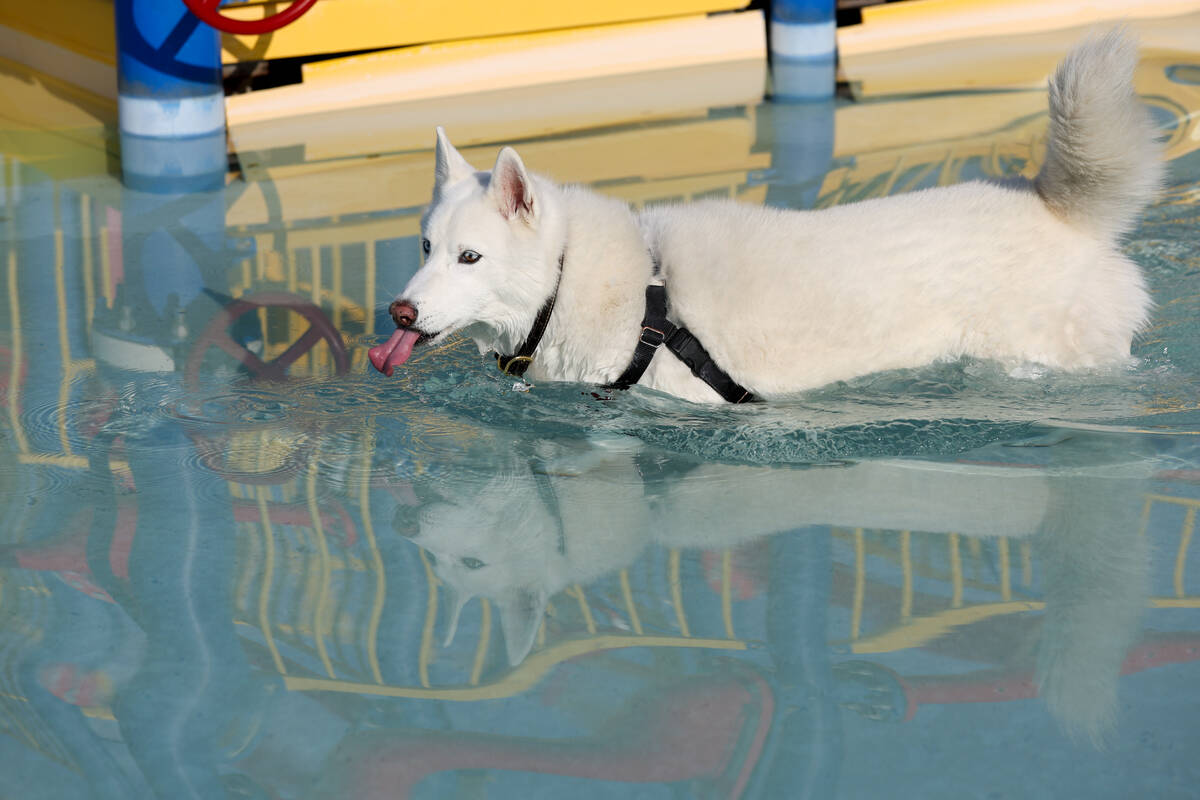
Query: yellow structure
[
  {"x": 333, "y": 26},
  {"x": 466, "y": 70},
  {"x": 75, "y": 40},
  {"x": 949, "y": 45},
  {"x": 52, "y": 124}
]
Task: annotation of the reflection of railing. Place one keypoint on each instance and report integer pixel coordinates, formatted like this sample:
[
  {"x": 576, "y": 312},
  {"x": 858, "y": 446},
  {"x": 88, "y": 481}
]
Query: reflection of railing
[
  {"x": 323, "y": 637},
  {"x": 315, "y": 601},
  {"x": 1000, "y": 136},
  {"x": 889, "y": 172},
  {"x": 71, "y": 368},
  {"x": 311, "y": 588},
  {"x": 950, "y": 569},
  {"x": 1187, "y": 527},
  {"x": 895, "y": 548}
]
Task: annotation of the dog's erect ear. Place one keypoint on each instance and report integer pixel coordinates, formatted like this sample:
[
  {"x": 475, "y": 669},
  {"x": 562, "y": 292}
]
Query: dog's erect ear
[
  {"x": 451, "y": 166},
  {"x": 511, "y": 187},
  {"x": 455, "y": 602},
  {"x": 521, "y": 612}
]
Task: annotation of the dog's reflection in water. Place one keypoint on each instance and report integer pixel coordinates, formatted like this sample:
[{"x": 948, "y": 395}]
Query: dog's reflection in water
[{"x": 566, "y": 513}]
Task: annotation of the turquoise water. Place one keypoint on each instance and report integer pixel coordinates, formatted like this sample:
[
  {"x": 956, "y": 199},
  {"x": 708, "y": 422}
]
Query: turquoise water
[{"x": 942, "y": 582}]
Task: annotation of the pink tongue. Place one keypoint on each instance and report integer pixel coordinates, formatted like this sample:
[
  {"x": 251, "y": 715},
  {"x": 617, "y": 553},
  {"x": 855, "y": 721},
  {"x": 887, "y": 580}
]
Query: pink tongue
[{"x": 394, "y": 351}]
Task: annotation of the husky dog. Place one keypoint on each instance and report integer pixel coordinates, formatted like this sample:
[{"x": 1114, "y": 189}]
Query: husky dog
[{"x": 1017, "y": 271}]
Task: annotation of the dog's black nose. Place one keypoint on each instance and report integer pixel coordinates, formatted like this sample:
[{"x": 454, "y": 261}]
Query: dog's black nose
[
  {"x": 405, "y": 314},
  {"x": 406, "y": 521}
]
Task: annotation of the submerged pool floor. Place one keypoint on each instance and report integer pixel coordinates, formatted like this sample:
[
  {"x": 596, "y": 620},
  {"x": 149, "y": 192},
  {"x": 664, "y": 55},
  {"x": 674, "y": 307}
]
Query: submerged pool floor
[{"x": 236, "y": 562}]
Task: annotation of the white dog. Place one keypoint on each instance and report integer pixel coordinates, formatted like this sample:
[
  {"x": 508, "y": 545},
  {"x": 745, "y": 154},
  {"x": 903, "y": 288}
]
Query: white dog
[{"x": 781, "y": 301}]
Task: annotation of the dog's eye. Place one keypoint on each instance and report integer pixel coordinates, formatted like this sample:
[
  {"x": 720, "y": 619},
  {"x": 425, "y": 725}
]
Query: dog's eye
[
  {"x": 425, "y": 246},
  {"x": 468, "y": 257},
  {"x": 472, "y": 563}
]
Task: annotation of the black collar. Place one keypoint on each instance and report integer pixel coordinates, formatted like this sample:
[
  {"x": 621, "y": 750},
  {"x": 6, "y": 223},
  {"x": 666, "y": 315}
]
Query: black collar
[{"x": 518, "y": 362}]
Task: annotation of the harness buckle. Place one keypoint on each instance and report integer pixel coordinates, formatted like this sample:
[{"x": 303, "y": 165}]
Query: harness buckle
[
  {"x": 506, "y": 365},
  {"x": 652, "y": 336}
]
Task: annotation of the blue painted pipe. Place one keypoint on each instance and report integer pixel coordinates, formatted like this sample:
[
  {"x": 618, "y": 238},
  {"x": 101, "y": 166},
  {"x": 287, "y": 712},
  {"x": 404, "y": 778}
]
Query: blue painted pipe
[
  {"x": 169, "y": 88},
  {"x": 803, "y": 49},
  {"x": 802, "y": 138}
]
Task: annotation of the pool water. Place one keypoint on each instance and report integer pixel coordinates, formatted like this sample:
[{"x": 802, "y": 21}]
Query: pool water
[{"x": 236, "y": 562}]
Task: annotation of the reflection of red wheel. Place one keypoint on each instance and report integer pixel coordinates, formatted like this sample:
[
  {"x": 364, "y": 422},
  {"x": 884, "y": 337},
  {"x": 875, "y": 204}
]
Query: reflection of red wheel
[
  {"x": 207, "y": 11},
  {"x": 214, "y": 451},
  {"x": 217, "y": 335}
]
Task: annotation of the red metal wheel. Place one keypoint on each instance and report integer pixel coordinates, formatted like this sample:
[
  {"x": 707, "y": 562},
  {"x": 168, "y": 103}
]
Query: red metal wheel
[{"x": 208, "y": 11}]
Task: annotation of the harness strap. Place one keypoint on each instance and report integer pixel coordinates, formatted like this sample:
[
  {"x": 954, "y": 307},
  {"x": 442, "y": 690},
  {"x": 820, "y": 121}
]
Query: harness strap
[
  {"x": 518, "y": 362},
  {"x": 658, "y": 331},
  {"x": 655, "y": 330},
  {"x": 549, "y": 497}
]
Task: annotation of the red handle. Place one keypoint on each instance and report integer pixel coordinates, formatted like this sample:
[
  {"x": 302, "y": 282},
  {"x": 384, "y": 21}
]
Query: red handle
[{"x": 207, "y": 10}]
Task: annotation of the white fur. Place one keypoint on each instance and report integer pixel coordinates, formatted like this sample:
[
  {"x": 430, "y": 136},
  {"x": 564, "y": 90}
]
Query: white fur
[{"x": 784, "y": 301}]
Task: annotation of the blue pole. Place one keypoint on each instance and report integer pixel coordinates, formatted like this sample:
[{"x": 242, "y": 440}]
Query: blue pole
[
  {"x": 802, "y": 139},
  {"x": 803, "y": 49},
  {"x": 169, "y": 88},
  {"x": 173, "y": 161}
]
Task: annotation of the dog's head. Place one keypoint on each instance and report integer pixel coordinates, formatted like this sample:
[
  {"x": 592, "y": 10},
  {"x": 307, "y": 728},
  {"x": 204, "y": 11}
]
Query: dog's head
[
  {"x": 502, "y": 534},
  {"x": 491, "y": 243},
  {"x": 494, "y": 541}
]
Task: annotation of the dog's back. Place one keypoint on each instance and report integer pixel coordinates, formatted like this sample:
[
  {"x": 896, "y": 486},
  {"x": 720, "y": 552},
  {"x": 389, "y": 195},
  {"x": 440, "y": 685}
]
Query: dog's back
[{"x": 1015, "y": 271}]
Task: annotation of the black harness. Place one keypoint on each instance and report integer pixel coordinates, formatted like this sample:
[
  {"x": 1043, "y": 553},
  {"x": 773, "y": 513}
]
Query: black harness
[{"x": 657, "y": 331}]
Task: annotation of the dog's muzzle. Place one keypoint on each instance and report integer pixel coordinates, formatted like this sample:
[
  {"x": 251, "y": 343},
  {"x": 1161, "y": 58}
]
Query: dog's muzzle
[{"x": 396, "y": 350}]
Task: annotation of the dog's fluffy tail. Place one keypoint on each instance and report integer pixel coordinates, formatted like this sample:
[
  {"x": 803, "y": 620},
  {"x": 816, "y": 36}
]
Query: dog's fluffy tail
[{"x": 1103, "y": 161}]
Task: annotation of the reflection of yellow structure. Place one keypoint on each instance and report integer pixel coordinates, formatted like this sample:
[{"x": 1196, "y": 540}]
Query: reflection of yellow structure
[
  {"x": 306, "y": 595},
  {"x": 896, "y": 144},
  {"x": 318, "y": 601},
  {"x": 917, "y": 631},
  {"x": 309, "y": 597},
  {"x": 94, "y": 268},
  {"x": 73, "y": 369}
]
